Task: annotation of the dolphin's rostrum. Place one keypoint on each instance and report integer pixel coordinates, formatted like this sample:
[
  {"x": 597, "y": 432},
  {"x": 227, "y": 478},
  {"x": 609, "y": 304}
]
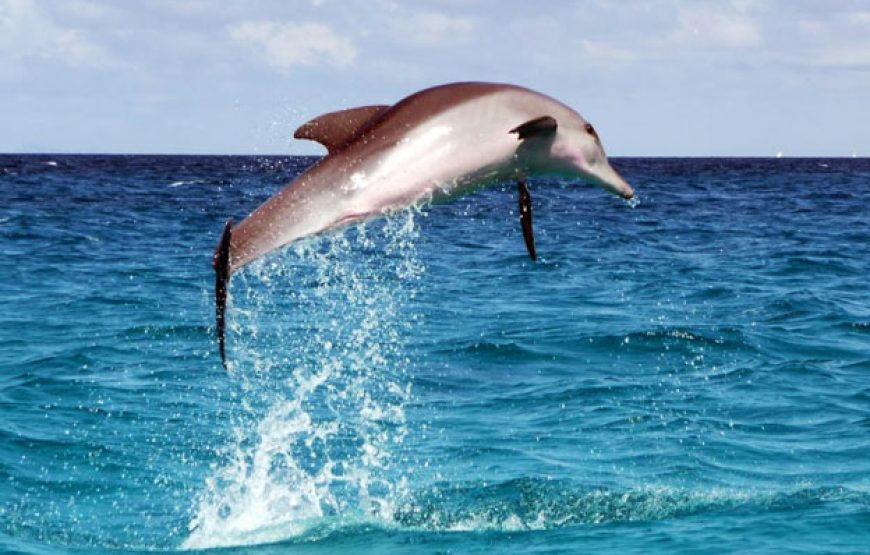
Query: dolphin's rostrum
[{"x": 439, "y": 142}]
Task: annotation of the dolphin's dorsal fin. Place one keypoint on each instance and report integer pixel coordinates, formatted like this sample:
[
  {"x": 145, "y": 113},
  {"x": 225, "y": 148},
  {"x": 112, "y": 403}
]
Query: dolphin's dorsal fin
[
  {"x": 335, "y": 129},
  {"x": 538, "y": 126}
]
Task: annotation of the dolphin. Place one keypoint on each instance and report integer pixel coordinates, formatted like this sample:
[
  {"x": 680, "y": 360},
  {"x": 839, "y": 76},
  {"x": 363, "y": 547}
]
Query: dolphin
[{"x": 438, "y": 143}]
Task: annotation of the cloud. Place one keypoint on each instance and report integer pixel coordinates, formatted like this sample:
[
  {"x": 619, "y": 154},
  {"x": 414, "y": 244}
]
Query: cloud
[
  {"x": 860, "y": 18},
  {"x": 838, "y": 42},
  {"x": 844, "y": 57},
  {"x": 289, "y": 44},
  {"x": 84, "y": 10},
  {"x": 602, "y": 53},
  {"x": 27, "y": 34},
  {"x": 672, "y": 32},
  {"x": 704, "y": 26},
  {"x": 432, "y": 27}
]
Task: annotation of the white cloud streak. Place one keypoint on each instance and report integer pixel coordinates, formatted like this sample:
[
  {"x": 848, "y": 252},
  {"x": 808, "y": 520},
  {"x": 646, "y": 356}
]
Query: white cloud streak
[
  {"x": 285, "y": 45},
  {"x": 710, "y": 27},
  {"x": 432, "y": 28},
  {"x": 27, "y": 34}
]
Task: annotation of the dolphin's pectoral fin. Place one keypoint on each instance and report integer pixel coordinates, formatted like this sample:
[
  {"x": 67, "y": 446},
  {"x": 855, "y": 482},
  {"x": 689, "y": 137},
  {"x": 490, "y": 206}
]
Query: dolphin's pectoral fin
[
  {"x": 526, "y": 218},
  {"x": 221, "y": 263},
  {"x": 543, "y": 125},
  {"x": 335, "y": 129}
]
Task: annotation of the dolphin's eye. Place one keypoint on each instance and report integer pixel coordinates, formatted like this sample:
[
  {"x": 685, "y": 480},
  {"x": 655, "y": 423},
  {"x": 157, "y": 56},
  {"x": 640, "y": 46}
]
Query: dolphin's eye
[{"x": 591, "y": 130}]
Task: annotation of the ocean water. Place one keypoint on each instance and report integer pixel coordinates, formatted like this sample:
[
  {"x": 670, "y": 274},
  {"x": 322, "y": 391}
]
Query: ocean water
[{"x": 686, "y": 373}]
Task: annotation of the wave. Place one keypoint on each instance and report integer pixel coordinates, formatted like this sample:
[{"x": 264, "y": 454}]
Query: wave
[
  {"x": 183, "y": 182},
  {"x": 538, "y": 504},
  {"x": 534, "y": 504}
]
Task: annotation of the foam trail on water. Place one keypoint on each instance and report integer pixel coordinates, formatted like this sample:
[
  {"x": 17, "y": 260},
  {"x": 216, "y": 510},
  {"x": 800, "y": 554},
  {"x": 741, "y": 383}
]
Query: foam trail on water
[{"x": 317, "y": 340}]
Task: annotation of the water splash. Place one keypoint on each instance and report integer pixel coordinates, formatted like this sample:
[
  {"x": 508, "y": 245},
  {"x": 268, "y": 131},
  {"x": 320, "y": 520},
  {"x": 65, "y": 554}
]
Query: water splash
[{"x": 317, "y": 340}]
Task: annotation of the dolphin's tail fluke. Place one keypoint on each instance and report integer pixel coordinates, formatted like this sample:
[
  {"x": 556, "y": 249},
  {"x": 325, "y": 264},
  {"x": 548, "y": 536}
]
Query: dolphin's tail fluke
[{"x": 221, "y": 263}]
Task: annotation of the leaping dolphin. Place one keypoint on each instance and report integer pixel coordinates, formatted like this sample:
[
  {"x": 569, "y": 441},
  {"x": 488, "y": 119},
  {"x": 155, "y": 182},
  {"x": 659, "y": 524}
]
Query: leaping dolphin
[{"x": 439, "y": 142}]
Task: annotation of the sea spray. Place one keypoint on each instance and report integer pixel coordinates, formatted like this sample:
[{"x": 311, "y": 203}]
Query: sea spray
[{"x": 317, "y": 342}]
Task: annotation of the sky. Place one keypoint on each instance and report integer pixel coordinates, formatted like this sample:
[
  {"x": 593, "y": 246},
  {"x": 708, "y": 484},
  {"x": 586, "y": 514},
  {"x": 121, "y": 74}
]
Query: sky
[{"x": 655, "y": 77}]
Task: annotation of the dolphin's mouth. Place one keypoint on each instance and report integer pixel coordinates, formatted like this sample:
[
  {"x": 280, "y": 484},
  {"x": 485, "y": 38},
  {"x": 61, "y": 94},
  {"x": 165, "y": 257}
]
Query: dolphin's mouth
[
  {"x": 617, "y": 186},
  {"x": 609, "y": 179}
]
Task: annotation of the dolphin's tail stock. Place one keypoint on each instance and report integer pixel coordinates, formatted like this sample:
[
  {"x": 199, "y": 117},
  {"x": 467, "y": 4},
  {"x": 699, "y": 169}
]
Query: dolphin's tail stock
[{"x": 221, "y": 263}]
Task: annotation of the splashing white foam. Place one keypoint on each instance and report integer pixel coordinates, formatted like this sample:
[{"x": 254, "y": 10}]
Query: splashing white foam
[{"x": 317, "y": 339}]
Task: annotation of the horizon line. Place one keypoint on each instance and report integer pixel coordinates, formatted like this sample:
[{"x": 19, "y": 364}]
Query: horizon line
[{"x": 276, "y": 155}]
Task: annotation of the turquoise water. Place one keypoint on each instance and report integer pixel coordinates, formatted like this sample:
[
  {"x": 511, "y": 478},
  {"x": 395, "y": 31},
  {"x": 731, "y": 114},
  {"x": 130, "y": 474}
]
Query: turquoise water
[{"x": 687, "y": 373}]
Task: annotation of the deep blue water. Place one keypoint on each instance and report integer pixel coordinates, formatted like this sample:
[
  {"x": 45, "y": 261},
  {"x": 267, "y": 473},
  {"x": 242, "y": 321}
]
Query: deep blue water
[{"x": 688, "y": 374}]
